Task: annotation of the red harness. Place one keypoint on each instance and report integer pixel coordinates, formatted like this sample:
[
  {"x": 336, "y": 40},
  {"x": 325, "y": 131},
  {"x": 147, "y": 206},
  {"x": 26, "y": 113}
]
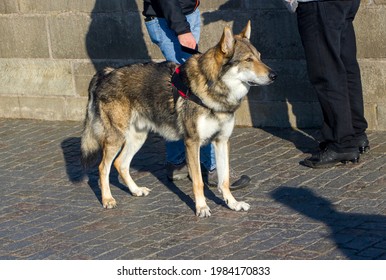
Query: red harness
[
  {"x": 181, "y": 89},
  {"x": 178, "y": 85}
]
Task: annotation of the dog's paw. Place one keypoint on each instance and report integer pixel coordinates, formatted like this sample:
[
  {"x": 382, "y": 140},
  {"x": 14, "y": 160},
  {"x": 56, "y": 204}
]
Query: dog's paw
[
  {"x": 239, "y": 206},
  {"x": 203, "y": 212},
  {"x": 143, "y": 191},
  {"x": 109, "y": 203}
]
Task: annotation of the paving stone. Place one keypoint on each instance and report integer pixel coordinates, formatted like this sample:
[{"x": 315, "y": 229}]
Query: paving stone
[{"x": 51, "y": 208}]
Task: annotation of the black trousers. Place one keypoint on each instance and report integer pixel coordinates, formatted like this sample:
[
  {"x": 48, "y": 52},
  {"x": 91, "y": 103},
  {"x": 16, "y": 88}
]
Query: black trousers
[{"x": 328, "y": 37}]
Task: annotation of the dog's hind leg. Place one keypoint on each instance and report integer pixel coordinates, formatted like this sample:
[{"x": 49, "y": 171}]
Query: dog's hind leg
[
  {"x": 109, "y": 153},
  {"x": 222, "y": 162},
  {"x": 193, "y": 159},
  {"x": 134, "y": 141}
]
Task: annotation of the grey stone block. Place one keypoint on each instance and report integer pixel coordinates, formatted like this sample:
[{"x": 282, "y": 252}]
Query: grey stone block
[
  {"x": 373, "y": 115},
  {"x": 264, "y": 4},
  {"x": 221, "y": 5},
  {"x": 95, "y": 6},
  {"x": 8, "y": 7},
  {"x": 23, "y": 36},
  {"x": 75, "y": 108},
  {"x": 37, "y": 77},
  {"x": 9, "y": 107},
  {"x": 373, "y": 79},
  {"x": 370, "y": 26},
  {"x": 81, "y": 85},
  {"x": 83, "y": 72},
  {"x": 381, "y": 116},
  {"x": 379, "y": 2},
  {"x": 101, "y": 36},
  {"x": 43, "y": 108}
]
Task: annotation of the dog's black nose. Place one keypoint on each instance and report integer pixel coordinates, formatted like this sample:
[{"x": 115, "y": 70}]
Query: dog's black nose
[{"x": 272, "y": 75}]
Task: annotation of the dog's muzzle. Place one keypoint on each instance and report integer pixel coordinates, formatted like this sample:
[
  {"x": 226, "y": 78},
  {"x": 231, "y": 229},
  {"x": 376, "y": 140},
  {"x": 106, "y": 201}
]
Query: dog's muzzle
[{"x": 266, "y": 80}]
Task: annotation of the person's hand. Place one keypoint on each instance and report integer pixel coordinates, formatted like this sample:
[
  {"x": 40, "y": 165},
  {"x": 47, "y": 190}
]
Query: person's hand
[
  {"x": 187, "y": 40},
  {"x": 291, "y": 5}
]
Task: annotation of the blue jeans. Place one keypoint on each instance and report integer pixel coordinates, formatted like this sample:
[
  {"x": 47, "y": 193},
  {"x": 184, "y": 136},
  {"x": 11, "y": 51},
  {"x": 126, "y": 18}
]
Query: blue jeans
[{"x": 166, "y": 39}]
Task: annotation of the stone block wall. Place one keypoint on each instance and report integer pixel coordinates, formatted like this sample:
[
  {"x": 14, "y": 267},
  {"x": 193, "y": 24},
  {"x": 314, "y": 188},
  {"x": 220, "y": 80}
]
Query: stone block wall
[{"x": 49, "y": 51}]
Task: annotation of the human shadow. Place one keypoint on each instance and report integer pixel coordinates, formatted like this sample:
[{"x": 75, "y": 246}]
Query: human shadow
[
  {"x": 358, "y": 236},
  {"x": 287, "y": 104},
  {"x": 115, "y": 36}
]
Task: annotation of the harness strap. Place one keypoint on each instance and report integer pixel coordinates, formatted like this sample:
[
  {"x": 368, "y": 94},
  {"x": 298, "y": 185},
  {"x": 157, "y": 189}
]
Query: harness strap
[{"x": 180, "y": 89}]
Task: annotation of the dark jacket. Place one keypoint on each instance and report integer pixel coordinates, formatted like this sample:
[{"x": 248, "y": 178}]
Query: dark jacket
[{"x": 174, "y": 11}]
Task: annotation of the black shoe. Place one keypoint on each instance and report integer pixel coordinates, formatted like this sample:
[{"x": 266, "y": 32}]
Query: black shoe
[
  {"x": 363, "y": 145},
  {"x": 237, "y": 181},
  {"x": 328, "y": 158}
]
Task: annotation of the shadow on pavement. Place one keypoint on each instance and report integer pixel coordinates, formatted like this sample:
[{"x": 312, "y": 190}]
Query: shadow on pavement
[
  {"x": 149, "y": 159},
  {"x": 358, "y": 236}
]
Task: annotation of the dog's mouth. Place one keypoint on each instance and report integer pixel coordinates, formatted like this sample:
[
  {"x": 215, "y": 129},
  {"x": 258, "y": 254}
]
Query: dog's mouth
[
  {"x": 252, "y": 84},
  {"x": 260, "y": 83}
]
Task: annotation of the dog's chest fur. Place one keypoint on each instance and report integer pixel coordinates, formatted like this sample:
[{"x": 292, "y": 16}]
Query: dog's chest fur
[{"x": 217, "y": 125}]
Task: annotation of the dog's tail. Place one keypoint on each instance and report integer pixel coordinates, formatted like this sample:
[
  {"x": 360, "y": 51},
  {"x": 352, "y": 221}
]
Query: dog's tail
[{"x": 93, "y": 130}]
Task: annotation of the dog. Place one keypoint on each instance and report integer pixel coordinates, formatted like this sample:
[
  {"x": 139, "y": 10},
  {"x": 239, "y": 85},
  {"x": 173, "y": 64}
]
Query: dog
[{"x": 195, "y": 101}]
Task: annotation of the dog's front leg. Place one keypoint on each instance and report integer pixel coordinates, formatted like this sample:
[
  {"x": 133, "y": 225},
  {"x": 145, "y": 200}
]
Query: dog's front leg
[
  {"x": 222, "y": 162},
  {"x": 193, "y": 159}
]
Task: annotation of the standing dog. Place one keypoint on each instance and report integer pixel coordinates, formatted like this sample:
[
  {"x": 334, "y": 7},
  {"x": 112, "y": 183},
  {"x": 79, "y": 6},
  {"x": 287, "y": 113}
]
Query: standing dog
[{"x": 196, "y": 101}]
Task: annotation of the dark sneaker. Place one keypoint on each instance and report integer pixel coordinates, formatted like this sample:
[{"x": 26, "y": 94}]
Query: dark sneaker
[
  {"x": 328, "y": 158},
  {"x": 176, "y": 172},
  {"x": 237, "y": 181}
]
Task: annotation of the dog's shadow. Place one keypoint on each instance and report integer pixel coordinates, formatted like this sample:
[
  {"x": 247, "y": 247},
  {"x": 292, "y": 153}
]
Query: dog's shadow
[{"x": 149, "y": 159}]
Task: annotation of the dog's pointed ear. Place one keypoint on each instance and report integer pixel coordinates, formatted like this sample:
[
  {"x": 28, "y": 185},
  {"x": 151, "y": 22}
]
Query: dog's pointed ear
[
  {"x": 246, "y": 33},
  {"x": 227, "y": 41}
]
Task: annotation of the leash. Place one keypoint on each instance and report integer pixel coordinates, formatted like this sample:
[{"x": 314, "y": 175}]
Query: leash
[{"x": 190, "y": 50}]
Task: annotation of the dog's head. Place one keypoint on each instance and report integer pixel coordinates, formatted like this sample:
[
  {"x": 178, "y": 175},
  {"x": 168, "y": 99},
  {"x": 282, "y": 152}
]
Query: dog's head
[{"x": 241, "y": 60}]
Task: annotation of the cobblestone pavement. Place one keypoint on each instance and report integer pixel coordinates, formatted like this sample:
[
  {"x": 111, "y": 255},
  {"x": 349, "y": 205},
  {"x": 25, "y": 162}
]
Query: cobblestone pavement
[{"x": 51, "y": 209}]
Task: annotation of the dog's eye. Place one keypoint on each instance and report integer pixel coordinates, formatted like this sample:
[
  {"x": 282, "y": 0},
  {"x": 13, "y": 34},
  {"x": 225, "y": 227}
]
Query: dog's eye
[{"x": 249, "y": 59}]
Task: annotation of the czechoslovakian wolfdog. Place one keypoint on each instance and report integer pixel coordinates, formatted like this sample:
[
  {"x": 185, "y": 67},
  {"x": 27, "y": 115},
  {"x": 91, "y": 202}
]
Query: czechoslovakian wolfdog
[{"x": 198, "y": 105}]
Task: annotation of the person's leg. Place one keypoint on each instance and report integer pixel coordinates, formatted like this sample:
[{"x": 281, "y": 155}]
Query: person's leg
[
  {"x": 165, "y": 39},
  {"x": 207, "y": 157},
  {"x": 321, "y": 26},
  {"x": 354, "y": 84}
]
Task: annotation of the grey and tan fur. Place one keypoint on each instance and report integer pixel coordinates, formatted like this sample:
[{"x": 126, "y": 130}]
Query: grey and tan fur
[{"x": 128, "y": 102}]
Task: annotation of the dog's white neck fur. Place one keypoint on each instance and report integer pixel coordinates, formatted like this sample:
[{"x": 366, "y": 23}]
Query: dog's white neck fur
[{"x": 237, "y": 87}]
